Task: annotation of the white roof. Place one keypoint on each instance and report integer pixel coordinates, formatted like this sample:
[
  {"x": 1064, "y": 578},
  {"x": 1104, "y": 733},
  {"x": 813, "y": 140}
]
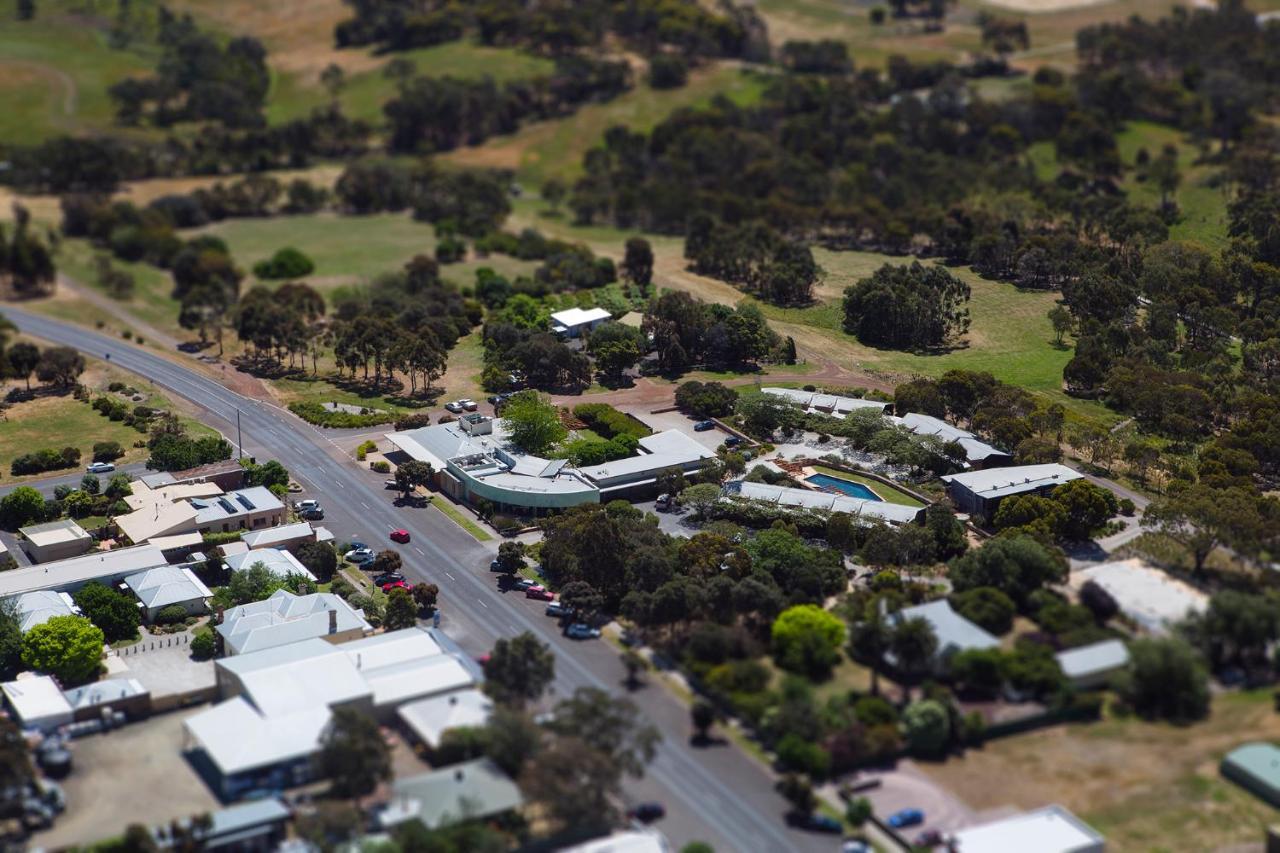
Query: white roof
[
  {"x": 307, "y": 674},
  {"x": 145, "y": 495},
  {"x": 38, "y": 702},
  {"x": 157, "y": 520},
  {"x": 1148, "y": 595},
  {"x": 54, "y": 533},
  {"x": 285, "y": 618},
  {"x": 812, "y": 499},
  {"x": 104, "y": 692},
  {"x": 1092, "y": 659},
  {"x": 625, "y": 841},
  {"x": 36, "y": 608},
  {"x": 1002, "y": 482},
  {"x": 235, "y": 504},
  {"x": 277, "y": 561},
  {"x": 406, "y": 664},
  {"x": 238, "y": 738},
  {"x": 571, "y": 317},
  {"x": 176, "y": 541},
  {"x": 975, "y": 449},
  {"x": 430, "y": 718},
  {"x": 167, "y": 585},
  {"x": 283, "y": 534},
  {"x": 76, "y": 571},
  {"x": 1052, "y": 829},
  {"x": 833, "y": 403},
  {"x": 954, "y": 632}
]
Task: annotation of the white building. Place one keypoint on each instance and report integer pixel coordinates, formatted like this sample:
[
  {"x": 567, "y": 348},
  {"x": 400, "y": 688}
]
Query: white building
[
  {"x": 285, "y": 618},
  {"x": 577, "y": 322},
  {"x": 430, "y": 718},
  {"x": 285, "y": 535},
  {"x": 978, "y": 453},
  {"x": 827, "y": 404},
  {"x": 275, "y": 560},
  {"x": 1090, "y": 667},
  {"x": 1052, "y": 829},
  {"x": 55, "y": 540},
  {"x": 69, "y": 575},
  {"x": 37, "y": 703},
  {"x": 825, "y": 501},
  {"x": 36, "y": 608},
  {"x": 169, "y": 586}
]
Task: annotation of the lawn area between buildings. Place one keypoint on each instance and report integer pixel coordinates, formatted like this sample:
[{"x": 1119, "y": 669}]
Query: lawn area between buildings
[
  {"x": 1145, "y": 786},
  {"x": 477, "y": 532},
  {"x": 887, "y": 493}
]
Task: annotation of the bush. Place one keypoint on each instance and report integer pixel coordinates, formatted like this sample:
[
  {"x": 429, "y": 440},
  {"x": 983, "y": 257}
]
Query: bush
[
  {"x": 314, "y": 413},
  {"x": 364, "y": 449},
  {"x": 608, "y": 422},
  {"x": 506, "y": 525},
  {"x": 799, "y": 755},
  {"x": 667, "y": 71},
  {"x": 285, "y": 263},
  {"x": 107, "y": 451},
  {"x": 45, "y": 460},
  {"x": 806, "y": 639},
  {"x": 171, "y": 615},
  {"x": 381, "y": 466},
  {"x": 1127, "y": 508},
  {"x": 706, "y": 399},
  {"x": 926, "y": 725},
  {"x": 204, "y": 646},
  {"x": 987, "y": 607},
  {"x": 417, "y": 420}
]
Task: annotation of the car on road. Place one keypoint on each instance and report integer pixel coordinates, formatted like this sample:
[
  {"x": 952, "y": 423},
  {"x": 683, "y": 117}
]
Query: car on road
[
  {"x": 388, "y": 577},
  {"x": 495, "y": 566},
  {"x": 906, "y": 817},
  {"x": 647, "y": 812},
  {"x": 309, "y": 503},
  {"x": 455, "y": 406},
  {"x": 581, "y": 631},
  {"x": 541, "y": 593},
  {"x": 316, "y": 514},
  {"x": 703, "y": 426},
  {"x": 559, "y": 610},
  {"x": 387, "y": 587},
  {"x": 360, "y": 554},
  {"x": 100, "y": 468},
  {"x": 401, "y": 536},
  {"x": 928, "y": 838},
  {"x": 814, "y": 822}
]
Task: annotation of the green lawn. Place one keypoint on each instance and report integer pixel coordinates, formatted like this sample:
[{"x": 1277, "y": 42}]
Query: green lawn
[
  {"x": 886, "y": 493},
  {"x": 152, "y": 301},
  {"x": 477, "y": 532},
  {"x": 1203, "y": 207}
]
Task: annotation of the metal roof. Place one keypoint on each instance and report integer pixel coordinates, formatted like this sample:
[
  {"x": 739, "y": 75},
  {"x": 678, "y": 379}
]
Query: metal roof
[
  {"x": 472, "y": 789},
  {"x": 276, "y": 560},
  {"x": 1052, "y": 829},
  {"x": 77, "y": 571},
  {"x": 954, "y": 632},
  {"x": 53, "y": 533},
  {"x": 813, "y": 499},
  {"x": 285, "y": 618},
  {"x": 833, "y": 403},
  {"x": 1094, "y": 658},
  {"x": 165, "y": 585},
  {"x": 430, "y": 718},
  {"x": 269, "y": 536},
  {"x": 975, "y": 449},
  {"x": 36, "y": 608},
  {"x": 236, "y": 737},
  {"x": 572, "y": 317},
  {"x": 1002, "y": 482}
]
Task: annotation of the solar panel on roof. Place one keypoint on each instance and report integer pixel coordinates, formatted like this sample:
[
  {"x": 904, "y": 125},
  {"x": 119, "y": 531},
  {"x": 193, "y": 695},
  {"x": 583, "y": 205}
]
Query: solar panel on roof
[{"x": 245, "y": 502}]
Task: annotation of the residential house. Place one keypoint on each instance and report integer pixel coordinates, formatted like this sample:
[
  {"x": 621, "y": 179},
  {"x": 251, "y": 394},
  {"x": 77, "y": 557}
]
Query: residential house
[
  {"x": 286, "y": 618},
  {"x": 285, "y": 535},
  {"x": 55, "y": 540},
  {"x": 578, "y": 322},
  {"x": 275, "y": 560},
  {"x": 472, "y": 790},
  {"x": 69, "y": 575},
  {"x": 168, "y": 586},
  {"x": 979, "y": 493},
  {"x": 36, "y": 608},
  {"x": 1091, "y": 667},
  {"x": 954, "y": 632}
]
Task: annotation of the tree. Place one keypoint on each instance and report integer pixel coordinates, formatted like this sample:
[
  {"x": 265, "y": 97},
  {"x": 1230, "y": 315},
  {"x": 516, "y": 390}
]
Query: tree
[
  {"x": 10, "y": 639},
  {"x": 914, "y": 645},
  {"x": 979, "y": 671},
  {"x": 635, "y": 664},
  {"x": 703, "y": 715},
  {"x": 519, "y": 670},
  {"x": 706, "y": 399},
  {"x": 807, "y": 640},
  {"x": 412, "y": 474},
  {"x": 553, "y": 192},
  {"x": 1201, "y": 518},
  {"x": 23, "y": 358},
  {"x": 1236, "y": 627},
  {"x": 912, "y": 307},
  {"x": 1087, "y": 507},
  {"x": 113, "y": 612},
  {"x": 583, "y": 599},
  {"x": 986, "y": 607},
  {"x": 514, "y": 739},
  {"x": 701, "y": 497},
  {"x": 1166, "y": 679},
  {"x": 532, "y": 422},
  {"x": 797, "y": 791},
  {"x": 17, "y": 776},
  {"x": 353, "y": 754},
  {"x": 60, "y": 366},
  {"x": 611, "y": 726},
  {"x": 26, "y": 10},
  {"x": 637, "y": 263},
  {"x": 573, "y": 782},
  {"x": 67, "y": 647},
  {"x": 270, "y": 474},
  {"x": 109, "y": 451},
  {"x": 511, "y": 557},
  {"x": 870, "y": 636},
  {"x": 319, "y": 558},
  {"x": 21, "y": 507},
  {"x": 1032, "y": 514},
  {"x": 333, "y": 79},
  {"x": 1017, "y": 566},
  {"x": 1061, "y": 320},
  {"x": 401, "y": 610},
  {"x": 426, "y": 595},
  {"x": 926, "y": 726}
]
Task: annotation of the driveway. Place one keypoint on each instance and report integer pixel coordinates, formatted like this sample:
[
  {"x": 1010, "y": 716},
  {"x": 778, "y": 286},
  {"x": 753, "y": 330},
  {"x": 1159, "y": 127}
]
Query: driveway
[{"x": 907, "y": 786}]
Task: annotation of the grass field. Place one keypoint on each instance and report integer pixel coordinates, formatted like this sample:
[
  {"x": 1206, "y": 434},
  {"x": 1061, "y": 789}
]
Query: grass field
[
  {"x": 1145, "y": 786},
  {"x": 886, "y": 493},
  {"x": 477, "y": 532},
  {"x": 152, "y": 300},
  {"x": 1203, "y": 207}
]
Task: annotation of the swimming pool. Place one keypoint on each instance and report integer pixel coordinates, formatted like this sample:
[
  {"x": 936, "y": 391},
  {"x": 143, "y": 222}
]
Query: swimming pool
[{"x": 850, "y": 488}]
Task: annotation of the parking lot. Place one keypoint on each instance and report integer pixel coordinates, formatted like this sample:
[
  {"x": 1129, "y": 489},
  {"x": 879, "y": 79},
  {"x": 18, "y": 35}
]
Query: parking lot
[
  {"x": 711, "y": 439},
  {"x": 906, "y": 787},
  {"x": 136, "y": 774}
]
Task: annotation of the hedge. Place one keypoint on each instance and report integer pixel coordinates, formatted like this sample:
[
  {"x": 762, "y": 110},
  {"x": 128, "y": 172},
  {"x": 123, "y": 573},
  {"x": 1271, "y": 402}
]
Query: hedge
[
  {"x": 45, "y": 460},
  {"x": 315, "y": 413},
  {"x": 608, "y": 421}
]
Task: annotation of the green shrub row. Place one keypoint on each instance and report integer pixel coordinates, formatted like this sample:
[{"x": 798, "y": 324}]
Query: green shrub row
[
  {"x": 315, "y": 413},
  {"x": 608, "y": 421}
]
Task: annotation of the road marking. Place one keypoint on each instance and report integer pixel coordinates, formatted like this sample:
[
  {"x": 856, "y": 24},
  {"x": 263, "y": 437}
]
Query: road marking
[
  {"x": 482, "y": 604},
  {"x": 419, "y": 550},
  {"x": 365, "y": 505},
  {"x": 451, "y": 577}
]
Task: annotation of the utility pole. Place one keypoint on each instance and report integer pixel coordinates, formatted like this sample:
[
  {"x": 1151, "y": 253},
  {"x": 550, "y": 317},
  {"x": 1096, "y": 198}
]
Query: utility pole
[{"x": 239, "y": 439}]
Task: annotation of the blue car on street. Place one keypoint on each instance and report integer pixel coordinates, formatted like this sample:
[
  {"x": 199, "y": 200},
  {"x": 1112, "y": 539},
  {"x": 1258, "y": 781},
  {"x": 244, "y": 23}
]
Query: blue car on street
[{"x": 905, "y": 818}]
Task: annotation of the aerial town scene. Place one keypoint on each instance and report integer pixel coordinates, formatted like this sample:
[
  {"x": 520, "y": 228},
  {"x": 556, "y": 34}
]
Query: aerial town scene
[{"x": 640, "y": 426}]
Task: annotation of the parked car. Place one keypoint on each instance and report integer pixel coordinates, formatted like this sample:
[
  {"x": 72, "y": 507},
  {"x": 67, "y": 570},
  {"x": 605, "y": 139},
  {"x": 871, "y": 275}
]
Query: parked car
[
  {"x": 401, "y": 536},
  {"x": 703, "y": 426},
  {"x": 732, "y": 441},
  {"x": 387, "y": 587},
  {"x": 928, "y": 838},
  {"x": 559, "y": 610},
  {"x": 360, "y": 555},
  {"x": 388, "y": 577},
  {"x": 390, "y": 483},
  {"x": 316, "y": 514},
  {"x": 906, "y": 817},
  {"x": 495, "y": 565},
  {"x": 469, "y": 405},
  {"x": 814, "y": 822},
  {"x": 100, "y": 468},
  {"x": 854, "y": 845},
  {"x": 523, "y": 583},
  {"x": 455, "y": 406},
  {"x": 647, "y": 812},
  {"x": 541, "y": 593},
  {"x": 664, "y": 503},
  {"x": 581, "y": 631},
  {"x": 309, "y": 503}
]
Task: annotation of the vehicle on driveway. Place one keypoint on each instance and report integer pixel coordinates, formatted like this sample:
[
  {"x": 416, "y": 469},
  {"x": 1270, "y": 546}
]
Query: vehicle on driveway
[
  {"x": 703, "y": 426},
  {"x": 814, "y": 822},
  {"x": 401, "y": 536},
  {"x": 732, "y": 441},
  {"x": 541, "y": 593},
  {"x": 388, "y": 577},
  {"x": 469, "y": 405},
  {"x": 906, "y": 817},
  {"x": 559, "y": 610},
  {"x": 359, "y": 555},
  {"x": 581, "y": 631},
  {"x": 647, "y": 812},
  {"x": 387, "y": 587},
  {"x": 100, "y": 468},
  {"x": 928, "y": 838},
  {"x": 455, "y": 406}
]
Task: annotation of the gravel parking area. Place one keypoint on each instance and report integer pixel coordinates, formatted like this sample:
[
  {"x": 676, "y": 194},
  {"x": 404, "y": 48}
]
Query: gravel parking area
[
  {"x": 136, "y": 774},
  {"x": 711, "y": 439},
  {"x": 906, "y": 786}
]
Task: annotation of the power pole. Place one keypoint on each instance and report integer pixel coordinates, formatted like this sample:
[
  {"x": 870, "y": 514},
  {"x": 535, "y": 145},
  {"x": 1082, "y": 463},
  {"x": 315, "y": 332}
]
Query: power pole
[{"x": 239, "y": 439}]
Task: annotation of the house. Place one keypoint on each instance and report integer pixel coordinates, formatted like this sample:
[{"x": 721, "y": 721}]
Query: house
[
  {"x": 254, "y": 827},
  {"x": 246, "y": 509},
  {"x": 168, "y": 586},
  {"x": 979, "y": 493},
  {"x": 1091, "y": 667},
  {"x": 828, "y": 404},
  {"x": 285, "y": 535},
  {"x": 279, "y": 702},
  {"x": 159, "y": 521},
  {"x": 978, "y": 453},
  {"x": 954, "y": 632},
  {"x": 285, "y": 618},
  {"x": 69, "y": 575},
  {"x": 36, "y": 702},
  {"x": 472, "y": 790},
  {"x": 578, "y": 322},
  {"x": 36, "y": 608},
  {"x": 55, "y": 540},
  {"x": 276, "y": 560},
  {"x": 1147, "y": 595},
  {"x": 1052, "y": 829},
  {"x": 647, "y": 840},
  {"x": 430, "y": 718},
  {"x": 786, "y": 496},
  {"x": 1256, "y": 768}
]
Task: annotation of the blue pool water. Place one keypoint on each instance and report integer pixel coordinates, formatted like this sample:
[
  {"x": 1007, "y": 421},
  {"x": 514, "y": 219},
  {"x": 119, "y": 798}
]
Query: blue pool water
[{"x": 850, "y": 488}]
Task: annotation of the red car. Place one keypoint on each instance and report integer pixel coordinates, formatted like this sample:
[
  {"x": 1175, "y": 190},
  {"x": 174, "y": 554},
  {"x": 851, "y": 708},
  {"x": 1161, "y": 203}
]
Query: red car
[
  {"x": 387, "y": 587},
  {"x": 541, "y": 593},
  {"x": 401, "y": 536}
]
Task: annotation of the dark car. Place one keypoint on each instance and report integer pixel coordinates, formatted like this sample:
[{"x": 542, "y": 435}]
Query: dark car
[
  {"x": 815, "y": 822},
  {"x": 313, "y": 514},
  {"x": 928, "y": 838},
  {"x": 703, "y": 426},
  {"x": 559, "y": 610},
  {"x": 581, "y": 631},
  {"x": 388, "y": 577},
  {"x": 732, "y": 441},
  {"x": 647, "y": 812}
]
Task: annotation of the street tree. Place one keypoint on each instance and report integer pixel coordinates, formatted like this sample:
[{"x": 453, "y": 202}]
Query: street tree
[
  {"x": 519, "y": 670},
  {"x": 511, "y": 557},
  {"x": 401, "y": 611},
  {"x": 21, "y": 507},
  {"x": 608, "y": 725},
  {"x": 411, "y": 474},
  {"x": 806, "y": 640},
  {"x": 23, "y": 358}
]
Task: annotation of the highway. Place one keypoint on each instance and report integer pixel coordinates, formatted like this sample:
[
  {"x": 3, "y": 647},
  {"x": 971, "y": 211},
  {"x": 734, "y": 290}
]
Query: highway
[{"x": 714, "y": 794}]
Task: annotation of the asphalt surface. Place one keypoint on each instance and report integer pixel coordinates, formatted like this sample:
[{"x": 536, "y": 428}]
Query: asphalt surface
[{"x": 714, "y": 794}]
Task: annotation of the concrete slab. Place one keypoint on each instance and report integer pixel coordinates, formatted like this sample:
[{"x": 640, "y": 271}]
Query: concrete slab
[{"x": 164, "y": 666}]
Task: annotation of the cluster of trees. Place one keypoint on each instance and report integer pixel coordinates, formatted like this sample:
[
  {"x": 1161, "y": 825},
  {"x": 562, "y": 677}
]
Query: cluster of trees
[
  {"x": 650, "y": 26},
  {"x": 754, "y": 257},
  {"x": 706, "y": 399},
  {"x": 198, "y": 79},
  {"x": 912, "y": 307},
  {"x": 26, "y": 261},
  {"x": 687, "y": 332},
  {"x": 57, "y": 367},
  {"x": 473, "y": 202},
  {"x": 1071, "y": 512},
  {"x": 24, "y": 505},
  {"x": 520, "y": 351},
  {"x": 172, "y": 449}
]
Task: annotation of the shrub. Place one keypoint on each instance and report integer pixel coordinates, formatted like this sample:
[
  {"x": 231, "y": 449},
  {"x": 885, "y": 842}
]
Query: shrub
[
  {"x": 107, "y": 451},
  {"x": 608, "y": 421},
  {"x": 285, "y": 263},
  {"x": 45, "y": 460},
  {"x": 364, "y": 449},
  {"x": 987, "y": 607},
  {"x": 314, "y": 413},
  {"x": 1127, "y": 508},
  {"x": 417, "y": 420},
  {"x": 342, "y": 588},
  {"x": 506, "y": 525},
  {"x": 797, "y": 754},
  {"x": 382, "y": 466},
  {"x": 706, "y": 399},
  {"x": 667, "y": 71},
  {"x": 204, "y": 646},
  {"x": 926, "y": 725},
  {"x": 806, "y": 639},
  {"x": 171, "y": 615}
]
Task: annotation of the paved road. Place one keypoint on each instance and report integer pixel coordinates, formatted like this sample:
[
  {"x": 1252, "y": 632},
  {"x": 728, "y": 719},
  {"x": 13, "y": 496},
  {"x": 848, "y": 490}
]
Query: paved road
[
  {"x": 718, "y": 794},
  {"x": 46, "y": 485}
]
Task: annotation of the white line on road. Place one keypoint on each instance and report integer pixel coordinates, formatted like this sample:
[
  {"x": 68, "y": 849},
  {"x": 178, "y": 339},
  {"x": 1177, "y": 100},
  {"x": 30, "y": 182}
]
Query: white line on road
[
  {"x": 482, "y": 604},
  {"x": 451, "y": 577},
  {"x": 419, "y": 550},
  {"x": 365, "y": 505}
]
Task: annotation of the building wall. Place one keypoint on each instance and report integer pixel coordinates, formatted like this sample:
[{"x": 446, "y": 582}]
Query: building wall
[
  {"x": 249, "y": 521},
  {"x": 194, "y": 607},
  {"x": 57, "y": 551}
]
